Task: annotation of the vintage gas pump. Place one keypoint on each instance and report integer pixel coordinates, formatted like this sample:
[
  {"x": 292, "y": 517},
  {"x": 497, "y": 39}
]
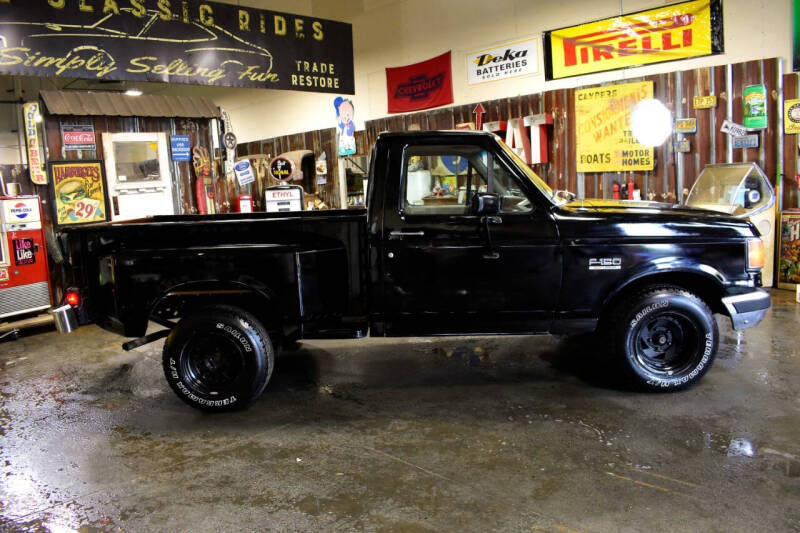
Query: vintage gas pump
[
  {"x": 283, "y": 197},
  {"x": 24, "y": 274}
]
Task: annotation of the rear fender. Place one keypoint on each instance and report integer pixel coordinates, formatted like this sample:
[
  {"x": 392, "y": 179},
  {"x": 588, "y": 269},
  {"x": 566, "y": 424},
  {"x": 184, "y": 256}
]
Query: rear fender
[{"x": 184, "y": 299}]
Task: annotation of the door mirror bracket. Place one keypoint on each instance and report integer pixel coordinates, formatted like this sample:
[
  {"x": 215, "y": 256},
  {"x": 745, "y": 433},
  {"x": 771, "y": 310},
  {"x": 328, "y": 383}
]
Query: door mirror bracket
[{"x": 487, "y": 206}]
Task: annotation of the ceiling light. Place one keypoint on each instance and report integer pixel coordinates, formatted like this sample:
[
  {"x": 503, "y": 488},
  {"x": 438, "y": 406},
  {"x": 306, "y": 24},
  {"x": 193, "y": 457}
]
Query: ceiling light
[
  {"x": 651, "y": 122},
  {"x": 133, "y": 92}
]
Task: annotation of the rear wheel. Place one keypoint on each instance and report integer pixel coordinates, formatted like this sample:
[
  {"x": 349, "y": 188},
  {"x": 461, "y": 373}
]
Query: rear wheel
[
  {"x": 219, "y": 359},
  {"x": 665, "y": 337}
]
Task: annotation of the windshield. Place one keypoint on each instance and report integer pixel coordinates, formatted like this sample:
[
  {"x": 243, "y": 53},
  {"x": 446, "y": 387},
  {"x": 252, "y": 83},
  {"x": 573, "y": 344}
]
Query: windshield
[{"x": 531, "y": 175}]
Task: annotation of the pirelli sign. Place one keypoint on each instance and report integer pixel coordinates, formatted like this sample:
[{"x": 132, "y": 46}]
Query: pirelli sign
[{"x": 669, "y": 33}]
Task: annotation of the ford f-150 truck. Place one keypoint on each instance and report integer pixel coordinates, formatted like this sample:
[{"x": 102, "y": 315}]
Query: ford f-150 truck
[{"x": 460, "y": 237}]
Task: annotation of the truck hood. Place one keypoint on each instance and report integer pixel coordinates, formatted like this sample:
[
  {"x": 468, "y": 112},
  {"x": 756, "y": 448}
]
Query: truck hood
[
  {"x": 600, "y": 205},
  {"x": 618, "y": 218}
]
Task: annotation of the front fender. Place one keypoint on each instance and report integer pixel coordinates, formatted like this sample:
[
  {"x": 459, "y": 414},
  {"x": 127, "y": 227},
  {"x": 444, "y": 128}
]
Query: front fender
[{"x": 674, "y": 270}]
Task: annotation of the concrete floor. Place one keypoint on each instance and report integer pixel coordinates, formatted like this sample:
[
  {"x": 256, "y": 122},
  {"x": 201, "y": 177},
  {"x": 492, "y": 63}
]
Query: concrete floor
[{"x": 456, "y": 434}]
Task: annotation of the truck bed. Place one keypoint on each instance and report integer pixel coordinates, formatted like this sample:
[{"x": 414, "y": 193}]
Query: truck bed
[{"x": 311, "y": 262}]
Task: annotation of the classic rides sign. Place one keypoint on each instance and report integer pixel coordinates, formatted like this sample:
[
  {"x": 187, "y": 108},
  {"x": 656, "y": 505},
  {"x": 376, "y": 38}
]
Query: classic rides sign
[
  {"x": 420, "y": 86},
  {"x": 677, "y": 31},
  {"x": 604, "y": 141},
  {"x": 176, "y": 41}
]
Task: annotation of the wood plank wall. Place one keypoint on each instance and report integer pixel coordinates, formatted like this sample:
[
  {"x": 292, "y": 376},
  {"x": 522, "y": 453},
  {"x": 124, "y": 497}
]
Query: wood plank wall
[
  {"x": 319, "y": 141},
  {"x": 672, "y": 173}
]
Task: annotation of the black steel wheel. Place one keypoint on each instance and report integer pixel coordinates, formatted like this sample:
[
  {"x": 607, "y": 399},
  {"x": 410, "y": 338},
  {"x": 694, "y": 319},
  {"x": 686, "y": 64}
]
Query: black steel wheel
[
  {"x": 219, "y": 359},
  {"x": 665, "y": 337}
]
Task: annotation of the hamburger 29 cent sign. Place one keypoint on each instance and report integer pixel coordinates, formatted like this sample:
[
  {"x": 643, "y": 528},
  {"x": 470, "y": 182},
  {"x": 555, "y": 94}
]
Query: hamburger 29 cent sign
[
  {"x": 510, "y": 60},
  {"x": 78, "y": 192}
]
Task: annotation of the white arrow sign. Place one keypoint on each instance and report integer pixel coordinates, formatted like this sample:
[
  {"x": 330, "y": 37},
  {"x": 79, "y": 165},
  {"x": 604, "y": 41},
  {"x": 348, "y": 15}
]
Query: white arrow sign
[{"x": 733, "y": 129}]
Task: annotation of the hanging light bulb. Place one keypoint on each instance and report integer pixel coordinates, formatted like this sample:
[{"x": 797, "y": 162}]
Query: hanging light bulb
[{"x": 651, "y": 122}]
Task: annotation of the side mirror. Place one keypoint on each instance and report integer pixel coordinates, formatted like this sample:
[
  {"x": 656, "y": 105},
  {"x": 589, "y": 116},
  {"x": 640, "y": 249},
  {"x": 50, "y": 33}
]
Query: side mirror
[
  {"x": 563, "y": 194},
  {"x": 485, "y": 204}
]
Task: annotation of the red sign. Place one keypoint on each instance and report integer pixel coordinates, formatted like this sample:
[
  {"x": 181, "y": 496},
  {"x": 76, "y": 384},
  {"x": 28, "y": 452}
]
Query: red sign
[
  {"x": 421, "y": 85},
  {"x": 78, "y": 138},
  {"x": 77, "y": 134}
]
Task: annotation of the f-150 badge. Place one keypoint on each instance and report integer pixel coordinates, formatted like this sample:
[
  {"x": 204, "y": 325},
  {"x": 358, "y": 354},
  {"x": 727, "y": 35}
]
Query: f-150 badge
[{"x": 605, "y": 263}]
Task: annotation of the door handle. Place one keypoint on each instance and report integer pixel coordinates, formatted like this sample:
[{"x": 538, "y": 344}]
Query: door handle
[{"x": 400, "y": 233}]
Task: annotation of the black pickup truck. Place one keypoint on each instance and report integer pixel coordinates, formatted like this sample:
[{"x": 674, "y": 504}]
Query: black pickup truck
[{"x": 500, "y": 254}]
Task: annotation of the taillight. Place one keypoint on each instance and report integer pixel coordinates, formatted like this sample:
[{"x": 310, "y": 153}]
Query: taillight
[
  {"x": 73, "y": 297},
  {"x": 755, "y": 253}
]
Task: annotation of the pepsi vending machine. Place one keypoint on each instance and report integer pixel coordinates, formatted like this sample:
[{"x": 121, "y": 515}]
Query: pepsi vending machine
[{"x": 24, "y": 274}]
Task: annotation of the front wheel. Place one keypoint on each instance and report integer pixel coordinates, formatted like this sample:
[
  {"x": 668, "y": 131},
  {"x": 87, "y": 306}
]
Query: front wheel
[
  {"x": 219, "y": 359},
  {"x": 665, "y": 337}
]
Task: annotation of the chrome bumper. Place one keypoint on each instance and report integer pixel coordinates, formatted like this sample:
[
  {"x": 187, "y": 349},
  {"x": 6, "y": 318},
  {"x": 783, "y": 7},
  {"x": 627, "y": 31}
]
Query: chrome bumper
[{"x": 747, "y": 310}]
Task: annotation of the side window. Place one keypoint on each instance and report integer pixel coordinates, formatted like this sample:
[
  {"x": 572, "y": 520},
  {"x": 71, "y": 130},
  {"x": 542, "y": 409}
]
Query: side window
[
  {"x": 441, "y": 180},
  {"x": 505, "y": 186}
]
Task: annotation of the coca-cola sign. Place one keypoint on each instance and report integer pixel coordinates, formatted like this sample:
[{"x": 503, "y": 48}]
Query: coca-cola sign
[{"x": 77, "y": 134}]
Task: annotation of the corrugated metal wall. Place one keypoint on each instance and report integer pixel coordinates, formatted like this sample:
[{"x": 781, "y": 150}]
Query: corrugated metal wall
[
  {"x": 182, "y": 174},
  {"x": 672, "y": 173},
  {"x": 791, "y": 166}
]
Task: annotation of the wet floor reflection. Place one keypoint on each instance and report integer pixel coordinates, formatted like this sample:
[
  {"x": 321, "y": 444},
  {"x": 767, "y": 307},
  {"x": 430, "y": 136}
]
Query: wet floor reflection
[{"x": 517, "y": 433}]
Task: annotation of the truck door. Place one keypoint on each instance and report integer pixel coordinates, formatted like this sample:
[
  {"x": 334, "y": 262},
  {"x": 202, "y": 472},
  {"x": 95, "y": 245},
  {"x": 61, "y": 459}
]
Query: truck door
[{"x": 441, "y": 275}]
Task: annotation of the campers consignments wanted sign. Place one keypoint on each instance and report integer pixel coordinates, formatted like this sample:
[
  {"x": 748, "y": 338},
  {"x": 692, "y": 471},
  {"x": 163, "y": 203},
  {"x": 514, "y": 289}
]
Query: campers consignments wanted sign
[
  {"x": 677, "y": 31},
  {"x": 604, "y": 141},
  {"x": 175, "y": 41},
  {"x": 420, "y": 86}
]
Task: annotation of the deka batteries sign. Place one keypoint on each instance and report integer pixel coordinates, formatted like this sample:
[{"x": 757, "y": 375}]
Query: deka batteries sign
[{"x": 510, "y": 60}]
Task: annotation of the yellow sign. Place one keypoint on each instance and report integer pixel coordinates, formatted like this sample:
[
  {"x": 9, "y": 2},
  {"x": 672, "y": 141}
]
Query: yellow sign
[
  {"x": 32, "y": 117},
  {"x": 678, "y": 31},
  {"x": 78, "y": 192},
  {"x": 705, "y": 102},
  {"x": 604, "y": 141},
  {"x": 686, "y": 125},
  {"x": 791, "y": 116}
]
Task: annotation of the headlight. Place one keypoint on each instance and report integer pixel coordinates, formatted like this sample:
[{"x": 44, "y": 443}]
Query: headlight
[{"x": 755, "y": 253}]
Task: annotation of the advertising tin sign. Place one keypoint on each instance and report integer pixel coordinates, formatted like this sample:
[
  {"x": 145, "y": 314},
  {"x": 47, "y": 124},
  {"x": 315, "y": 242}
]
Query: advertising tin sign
[
  {"x": 733, "y": 129},
  {"x": 510, "y": 60},
  {"x": 77, "y": 134},
  {"x": 686, "y": 125},
  {"x": 244, "y": 172},
  {"x": 181, "y": 148},
  {"x": 745, "y": 141},
  {"x": 704, "y": 102},
  {"x": 791, "y": 116},
  {"x": 754, "y": 99}
]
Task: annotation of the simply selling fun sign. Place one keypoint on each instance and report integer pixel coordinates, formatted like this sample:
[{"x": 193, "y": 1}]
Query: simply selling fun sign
[{"x": 175, "y": 41}]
